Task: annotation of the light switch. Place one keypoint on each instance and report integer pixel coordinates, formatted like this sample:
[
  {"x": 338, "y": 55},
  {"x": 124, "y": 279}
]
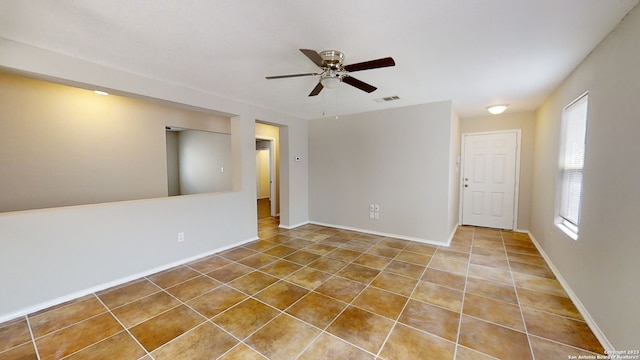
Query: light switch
[
  {"x": 376, "y": 207},
  {"x": 371, "y": 207}
]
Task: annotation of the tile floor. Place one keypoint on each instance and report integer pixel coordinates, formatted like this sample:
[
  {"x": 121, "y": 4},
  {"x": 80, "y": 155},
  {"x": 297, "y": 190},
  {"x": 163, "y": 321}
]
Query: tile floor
[{"x": 322, "y": 293}]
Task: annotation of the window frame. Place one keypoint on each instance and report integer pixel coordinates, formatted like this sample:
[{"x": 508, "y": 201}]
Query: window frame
[{"x": 563, "y": 221}]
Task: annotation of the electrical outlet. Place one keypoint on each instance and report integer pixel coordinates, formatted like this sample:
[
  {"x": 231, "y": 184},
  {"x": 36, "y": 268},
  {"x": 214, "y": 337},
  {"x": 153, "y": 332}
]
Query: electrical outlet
[{"x": 180, "y": 236}]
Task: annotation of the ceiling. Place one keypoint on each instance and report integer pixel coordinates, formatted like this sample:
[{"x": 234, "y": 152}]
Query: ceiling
[{"x": 473, "y": 52}]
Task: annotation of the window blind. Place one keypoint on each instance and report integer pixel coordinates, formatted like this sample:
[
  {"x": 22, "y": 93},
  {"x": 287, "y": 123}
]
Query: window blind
[{"x": 572, "y": 162}]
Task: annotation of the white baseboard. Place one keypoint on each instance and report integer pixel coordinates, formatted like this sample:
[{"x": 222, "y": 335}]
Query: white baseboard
[
  {"x": 572, "y": 295},
  {"x": 126, "y": 279},
  {"x": 378, "y": 233},
  {"x": 453, "y": 233},
  {"x": 293, "y": 226}
]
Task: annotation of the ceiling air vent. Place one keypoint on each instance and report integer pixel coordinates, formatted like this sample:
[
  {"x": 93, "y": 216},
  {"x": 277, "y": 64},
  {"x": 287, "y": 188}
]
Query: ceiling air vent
[{"x": 388, "y": 98}]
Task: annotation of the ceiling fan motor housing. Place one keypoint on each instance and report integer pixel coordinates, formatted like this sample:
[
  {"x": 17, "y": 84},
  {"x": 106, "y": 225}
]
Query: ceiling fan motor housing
[
  {"x": 333, "y": 58},
  {"x": 334, "y": 69}
]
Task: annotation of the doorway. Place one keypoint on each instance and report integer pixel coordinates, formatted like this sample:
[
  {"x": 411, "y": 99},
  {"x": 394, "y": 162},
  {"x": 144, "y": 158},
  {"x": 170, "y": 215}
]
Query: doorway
[
  {"x": 490, "y": 177},
  {"x": 265, "y": 178}
]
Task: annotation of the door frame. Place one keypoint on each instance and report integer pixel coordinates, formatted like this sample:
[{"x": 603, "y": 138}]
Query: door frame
[
  {"x": 516, "y": 190},
  {"x": 272, "y": 178}
]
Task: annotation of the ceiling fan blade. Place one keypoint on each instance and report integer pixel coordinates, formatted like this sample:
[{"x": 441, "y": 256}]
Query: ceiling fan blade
[
  {"x": 372, "y": 64},
  {"x": 314, "y": 56},
  {"x": 289, "y": 76},
  {"x": 359, "y": 84},
  {"x": 316, "y": 90}
]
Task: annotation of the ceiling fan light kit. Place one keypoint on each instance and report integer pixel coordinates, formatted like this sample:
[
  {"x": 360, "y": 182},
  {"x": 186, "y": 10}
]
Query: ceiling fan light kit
[
  {"x": 330, "y": 82},
  {"x": 331, "y": 62}
]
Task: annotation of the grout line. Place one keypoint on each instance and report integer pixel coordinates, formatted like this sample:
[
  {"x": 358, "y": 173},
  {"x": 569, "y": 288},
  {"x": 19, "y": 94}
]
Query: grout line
[
  {"x": 138, "y": 299},
  {"x": 33, "y": 338},
  {"x": 239, "y": 344},
  {"x": 70, "y": 325},
  {"x": 339, "y": 339},
  {"x": 124, "y": 327},
  {"x": 464, "y": 293},
  {"x": 477, "y": 352},
  {"x": 495, "y": 323},
  {"x": 515, "y": 288},
  {"x": 571, "y": 346},
  {"x": 98, "y": 342},
  {"x": 554, "y": 314},
  {"x": 395, "y": 323},
  {"x": 310, "y": 342}
]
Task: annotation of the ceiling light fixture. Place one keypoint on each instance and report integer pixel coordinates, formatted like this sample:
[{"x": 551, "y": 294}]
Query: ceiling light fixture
[
  {"x": 330, "y": 82},
  {"x": 497, "y": 109},
  {"x": 99, "y": 92}
]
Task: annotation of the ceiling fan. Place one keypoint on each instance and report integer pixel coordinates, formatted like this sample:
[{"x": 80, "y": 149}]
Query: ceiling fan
[{"x": 334, "y": 71}]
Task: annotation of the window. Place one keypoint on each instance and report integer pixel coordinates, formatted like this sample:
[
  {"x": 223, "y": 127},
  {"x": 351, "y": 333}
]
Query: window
[{"x": 574, "y": 119}]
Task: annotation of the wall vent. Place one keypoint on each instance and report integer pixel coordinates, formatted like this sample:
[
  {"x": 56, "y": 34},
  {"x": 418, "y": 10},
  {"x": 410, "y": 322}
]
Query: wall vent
[{"x": 388, "y": 98}]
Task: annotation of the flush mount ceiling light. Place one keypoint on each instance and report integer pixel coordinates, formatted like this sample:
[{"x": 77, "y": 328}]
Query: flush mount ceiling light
[
  {"x": 100, "y": 92},
  {"x": 497, "y": 109}
]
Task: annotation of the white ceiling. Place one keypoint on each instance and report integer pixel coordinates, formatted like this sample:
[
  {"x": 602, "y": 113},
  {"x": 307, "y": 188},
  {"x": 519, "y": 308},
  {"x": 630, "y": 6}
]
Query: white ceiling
[{"x": 474, "y": 52}]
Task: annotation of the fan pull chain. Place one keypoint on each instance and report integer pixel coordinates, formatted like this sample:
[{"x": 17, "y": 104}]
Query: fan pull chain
[
  {"x": 336, "y": 91},
  {"x": 324, "y": 102}
]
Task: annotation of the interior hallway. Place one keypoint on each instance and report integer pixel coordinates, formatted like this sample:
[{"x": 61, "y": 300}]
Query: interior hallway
[{"x": 264, "y": 208}]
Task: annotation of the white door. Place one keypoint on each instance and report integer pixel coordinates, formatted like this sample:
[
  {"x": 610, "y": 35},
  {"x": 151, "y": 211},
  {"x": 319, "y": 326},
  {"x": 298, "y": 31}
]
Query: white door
[{"x": 489, "y": 179}]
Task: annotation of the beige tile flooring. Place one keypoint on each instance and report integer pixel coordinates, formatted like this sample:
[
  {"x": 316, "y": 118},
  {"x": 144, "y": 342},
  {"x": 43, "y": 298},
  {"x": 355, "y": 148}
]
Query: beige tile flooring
[{"x": 323, "y": 293}]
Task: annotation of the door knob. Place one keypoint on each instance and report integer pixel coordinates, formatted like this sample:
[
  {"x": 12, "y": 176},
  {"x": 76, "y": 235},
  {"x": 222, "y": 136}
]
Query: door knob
[{"x": 465, "y": 185}]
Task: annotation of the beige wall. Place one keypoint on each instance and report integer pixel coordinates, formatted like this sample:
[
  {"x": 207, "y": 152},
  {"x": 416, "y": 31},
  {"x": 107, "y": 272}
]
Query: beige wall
[
  {"x": 173, "y": 163},
  {"x": 454, "y": 171},
  {"x": 602, "y": 266},
  {"x": 205, "y": 162},
  {"x": 525, "y": 121},
  {"x": 62, "y": 146},
  {"x": 400, "y": 159},
  {"x": 262, "y": 172}
]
